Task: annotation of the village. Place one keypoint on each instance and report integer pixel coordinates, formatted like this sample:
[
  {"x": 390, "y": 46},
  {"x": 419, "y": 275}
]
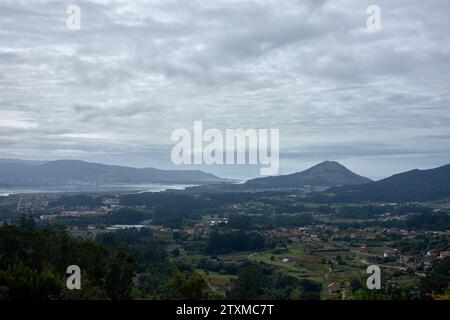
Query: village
[{"x": 332, "y": 250}]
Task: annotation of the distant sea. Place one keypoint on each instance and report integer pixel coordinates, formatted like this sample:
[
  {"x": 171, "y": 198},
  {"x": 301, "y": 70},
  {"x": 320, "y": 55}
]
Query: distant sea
[{"x": 139, "y": 188}]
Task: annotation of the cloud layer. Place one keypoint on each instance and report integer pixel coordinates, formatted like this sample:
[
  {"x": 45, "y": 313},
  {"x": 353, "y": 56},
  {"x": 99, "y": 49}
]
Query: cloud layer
[{"x": 114, "y": 90}]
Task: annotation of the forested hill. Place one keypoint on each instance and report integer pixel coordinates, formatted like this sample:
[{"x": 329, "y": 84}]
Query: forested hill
[{"x": 414, "y": 185}]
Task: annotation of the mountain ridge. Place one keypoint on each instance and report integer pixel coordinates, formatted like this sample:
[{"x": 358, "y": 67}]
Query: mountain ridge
[
  {"x": 412, "y": 185},
  {"x": 324, "y": 174},
  {"x": 17, "y": 173}
]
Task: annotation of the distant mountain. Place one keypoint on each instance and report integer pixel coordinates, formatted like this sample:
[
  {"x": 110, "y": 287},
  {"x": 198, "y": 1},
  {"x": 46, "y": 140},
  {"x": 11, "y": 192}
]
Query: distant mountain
[
  {"x": 17, "y": 173},
  {"x": 414, "y": 185},
  {"x": 2, "y": 161},
  {"x": 325, "y": 174}
]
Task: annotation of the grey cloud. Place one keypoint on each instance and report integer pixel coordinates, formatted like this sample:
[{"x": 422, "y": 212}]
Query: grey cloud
[{"x": 138, "y": 70}]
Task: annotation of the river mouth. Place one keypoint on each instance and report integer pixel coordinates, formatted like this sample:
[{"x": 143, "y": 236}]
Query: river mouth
[{"x": 148, "y": 187}]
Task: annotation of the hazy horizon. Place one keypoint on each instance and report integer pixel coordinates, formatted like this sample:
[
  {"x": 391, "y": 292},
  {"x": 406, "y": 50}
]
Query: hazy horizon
[
  {"x": 220, "y": 170},
  {"x": 114, "y": 90}
]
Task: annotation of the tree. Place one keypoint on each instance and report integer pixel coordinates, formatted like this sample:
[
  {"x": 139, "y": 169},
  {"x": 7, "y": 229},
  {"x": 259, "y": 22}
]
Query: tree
[
  {"x": 27, "y": 223},
  {"x": 297, "y": 294},
  {"x": 444, "y": 296},
  {"x": 175, "y": 252},
  {"x": 180, "y": 286},
  {"x": 436, "y": 282},
  {"x": 119, "y": 280},
  {"x": 355, "y": 284},
  {"x": 248, "y": 285},
  {"x": 20, "y": 282}
]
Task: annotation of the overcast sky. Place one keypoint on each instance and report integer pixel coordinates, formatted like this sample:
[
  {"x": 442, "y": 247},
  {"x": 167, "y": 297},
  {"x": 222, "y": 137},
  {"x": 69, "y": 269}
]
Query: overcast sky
[{"x": 113, "y": 91}]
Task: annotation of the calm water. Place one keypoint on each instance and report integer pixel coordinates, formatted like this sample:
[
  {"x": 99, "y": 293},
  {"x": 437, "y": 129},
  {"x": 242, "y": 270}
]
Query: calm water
[{"x": 150, "y": 187}]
